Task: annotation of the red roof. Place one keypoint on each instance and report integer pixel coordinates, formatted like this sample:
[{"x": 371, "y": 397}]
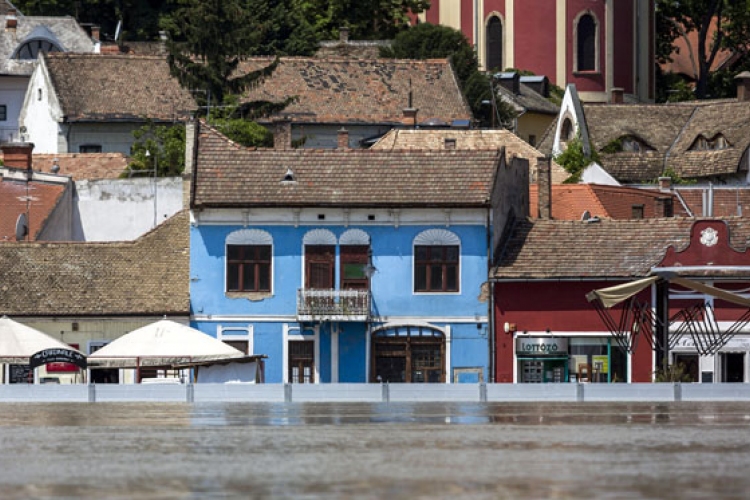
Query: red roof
[{"x": 42, "y": 199}]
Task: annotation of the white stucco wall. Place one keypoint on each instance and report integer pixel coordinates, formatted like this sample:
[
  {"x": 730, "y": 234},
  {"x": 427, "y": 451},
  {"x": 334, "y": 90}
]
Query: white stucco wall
[
  {"x": 123, "y": 209},
  {"x": 40, "y": 113},
  {"x": 12, "y": 91}
]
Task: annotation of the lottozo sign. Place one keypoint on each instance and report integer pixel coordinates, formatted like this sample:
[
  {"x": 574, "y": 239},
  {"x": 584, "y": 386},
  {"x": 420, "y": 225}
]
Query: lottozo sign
[
  {"x": 57, "y": 356},
  {"x": 541, "y": 346}
]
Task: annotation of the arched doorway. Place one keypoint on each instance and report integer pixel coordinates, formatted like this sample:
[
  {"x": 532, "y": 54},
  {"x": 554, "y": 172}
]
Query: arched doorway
[{"x": 408, "y": 353}]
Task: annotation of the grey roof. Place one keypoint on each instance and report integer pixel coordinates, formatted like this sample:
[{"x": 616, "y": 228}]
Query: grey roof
[
  {"x": 66, "y": 32},
  {"x": 528, "y": 99}
]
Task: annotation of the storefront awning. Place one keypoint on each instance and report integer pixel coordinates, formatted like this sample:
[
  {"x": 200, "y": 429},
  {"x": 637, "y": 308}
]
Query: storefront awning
[{"x": 613, "y": 295}]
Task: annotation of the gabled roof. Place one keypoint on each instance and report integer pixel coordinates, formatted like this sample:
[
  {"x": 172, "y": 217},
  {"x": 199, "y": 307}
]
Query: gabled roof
[
  {"x": 468, "y": 139},
  {"x": 80, "y": 166},
  {"x": 229, "y": 175},
  {"x": 98, "y": 87},
  {"x": 360, "y": 91},
  {"x": 148, "y": 276},
  {"x": 551, "y": 249},
  {"x": 65, "y": 30},
  {"x": 528, "y": 100},
  {"x": 42, "y": 199},
  {"x": 667, "y": 133}
]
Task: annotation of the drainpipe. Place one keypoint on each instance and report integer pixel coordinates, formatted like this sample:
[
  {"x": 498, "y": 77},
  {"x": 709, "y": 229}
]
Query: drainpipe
[{"x": 491, "y": 312}]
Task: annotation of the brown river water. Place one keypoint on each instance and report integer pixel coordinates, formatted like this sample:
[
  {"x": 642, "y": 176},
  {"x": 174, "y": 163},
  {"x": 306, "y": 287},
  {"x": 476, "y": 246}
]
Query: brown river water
[{"x": 356, "y": 450}]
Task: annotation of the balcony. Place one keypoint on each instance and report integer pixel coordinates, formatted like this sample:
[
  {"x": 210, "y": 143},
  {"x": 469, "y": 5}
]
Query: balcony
[{"x": 333, "y": 305}]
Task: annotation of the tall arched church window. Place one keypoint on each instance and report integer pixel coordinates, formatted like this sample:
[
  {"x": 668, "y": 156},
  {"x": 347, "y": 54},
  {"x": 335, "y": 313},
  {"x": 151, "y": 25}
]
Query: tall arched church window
[
  {"x": 586, "y": 43},
  {"x": 494, "y": 44}
]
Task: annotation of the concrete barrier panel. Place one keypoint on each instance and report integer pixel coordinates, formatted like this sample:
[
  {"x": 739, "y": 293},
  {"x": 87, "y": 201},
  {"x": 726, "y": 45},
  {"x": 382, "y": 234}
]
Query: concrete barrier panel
[
  {"x": 531, "y": 392},
  {"x": 264, "y": 393}
]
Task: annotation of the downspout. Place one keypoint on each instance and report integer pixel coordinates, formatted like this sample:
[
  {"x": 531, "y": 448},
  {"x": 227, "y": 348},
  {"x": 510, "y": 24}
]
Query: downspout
[{"x": 491, "y": 312}]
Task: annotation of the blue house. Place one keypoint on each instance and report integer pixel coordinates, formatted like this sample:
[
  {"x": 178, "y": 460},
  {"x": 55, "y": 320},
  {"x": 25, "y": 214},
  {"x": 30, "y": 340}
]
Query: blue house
[{"x": 349, "y": 265}]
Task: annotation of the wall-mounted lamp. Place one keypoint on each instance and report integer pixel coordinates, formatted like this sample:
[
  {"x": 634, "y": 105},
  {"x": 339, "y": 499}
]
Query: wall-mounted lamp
[{"x": 509, "y": 327}]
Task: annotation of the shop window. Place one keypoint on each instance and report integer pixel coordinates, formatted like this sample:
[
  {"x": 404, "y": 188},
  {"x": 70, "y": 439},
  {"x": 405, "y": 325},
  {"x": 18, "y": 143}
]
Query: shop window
[
  {"x": 408, "y": 354},
  {"x": 494, "y": 44},
  {"x": 586, "y": 43}
]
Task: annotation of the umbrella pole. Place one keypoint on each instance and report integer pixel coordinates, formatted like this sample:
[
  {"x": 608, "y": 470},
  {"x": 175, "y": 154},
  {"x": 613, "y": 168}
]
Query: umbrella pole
[{"x": 137, "y": 370}]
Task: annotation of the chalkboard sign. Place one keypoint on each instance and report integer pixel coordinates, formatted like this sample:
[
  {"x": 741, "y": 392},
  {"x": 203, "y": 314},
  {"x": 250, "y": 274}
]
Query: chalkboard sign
[{"x": 21, "y": 374}]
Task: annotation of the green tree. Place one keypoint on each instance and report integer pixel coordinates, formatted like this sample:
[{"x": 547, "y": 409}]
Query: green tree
[
  {"x": 160, "y": 147},
  {"x": 678, "y": 18},
  {"x": 574, "y": 159},
  {"x": 366, "y": 19}
]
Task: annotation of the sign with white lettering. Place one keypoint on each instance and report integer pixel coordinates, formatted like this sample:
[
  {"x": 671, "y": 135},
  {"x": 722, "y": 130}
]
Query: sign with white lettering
[
  {"x": 57, "y": 356},
  {"x": 541, "y": 346}
]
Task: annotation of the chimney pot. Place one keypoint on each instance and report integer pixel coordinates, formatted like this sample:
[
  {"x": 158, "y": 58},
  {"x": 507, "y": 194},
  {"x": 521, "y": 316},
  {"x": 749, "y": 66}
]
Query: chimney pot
[
  {"x": 95, "y": 33},
  {"x": 544, "y": 186},
  {"x": 344, "y": 34},
  {"x": 743, "y": 86},
  {"x": 343, "y": 138},
  {"x": 410, "y": 117},
  {"x": 282, "y": 134},
  {"x": 617, "y": 95},
  {"x": 665, "y": 183},
  {"x": 17, "y": 154}
]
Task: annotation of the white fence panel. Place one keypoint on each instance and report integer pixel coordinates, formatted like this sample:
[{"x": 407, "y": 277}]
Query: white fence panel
[
  {"x": 433, "y": 392},
  {"x": 46, "y": 393},
  {"x": 366, "y": 393},
  {"x": 715, "y": 392},
  {"x": 532, "y": 392},
  {"x": 165, "y": 393},
  {"x": 265, "y": 393},
  {"x": 629, "y": 392}
]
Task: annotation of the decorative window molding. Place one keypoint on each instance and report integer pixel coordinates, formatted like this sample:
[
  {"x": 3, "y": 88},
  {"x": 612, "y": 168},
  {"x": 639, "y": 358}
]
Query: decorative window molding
[
  {"x": 249, "y": 237},
  {"x": 437, "y": 237},
  {"x": 354, "y": 237},
  {"x": 319, "y": 237}
]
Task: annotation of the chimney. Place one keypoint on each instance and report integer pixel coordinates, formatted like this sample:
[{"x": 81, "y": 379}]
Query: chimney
[
  {"x": 544, "y": 186},
  {"x": 665, "y": 183},
  {"x": 282, "y": 133},
  {"x": 410, "y": 117},
  {"x": 17, "y": 154},
  {"x": 11, "y": 22},
  {"x": 191, "y": 133},
  {"x": 343, "y": 138},
  {"x": 743, "y": 86},
  {"x": 95, "y": 33},
  {"x": 616, "y": 95},
  {"x": 344, "y": 34}
]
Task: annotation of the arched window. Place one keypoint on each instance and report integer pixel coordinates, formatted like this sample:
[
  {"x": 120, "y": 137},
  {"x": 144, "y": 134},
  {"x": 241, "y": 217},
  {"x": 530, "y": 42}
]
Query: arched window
[
  {"x": 494, "y": 44},
  {"x": 567, "y": 132},
  {"x": 586, "y": 43},
  {"x": 249, "y": 259},
  {"x": 409, "y": 353},
  {"x": 32, "y": 48}
]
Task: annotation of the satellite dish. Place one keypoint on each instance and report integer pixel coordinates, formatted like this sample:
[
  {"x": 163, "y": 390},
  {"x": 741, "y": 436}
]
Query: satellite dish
[
  {"x": 22, "y": 227},
  {"x": 586, "y": 215}
]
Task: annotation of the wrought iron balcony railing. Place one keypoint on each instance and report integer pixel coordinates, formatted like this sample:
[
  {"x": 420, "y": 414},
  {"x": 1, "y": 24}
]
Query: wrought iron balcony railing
[{"x": 333, "y": 305}]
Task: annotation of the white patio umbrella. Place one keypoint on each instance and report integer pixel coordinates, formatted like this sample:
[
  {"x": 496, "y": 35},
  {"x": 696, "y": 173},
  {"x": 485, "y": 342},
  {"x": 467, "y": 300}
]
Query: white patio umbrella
[
  {"x": 19, "y": 342},
  {"x": 163, "y": 343}
]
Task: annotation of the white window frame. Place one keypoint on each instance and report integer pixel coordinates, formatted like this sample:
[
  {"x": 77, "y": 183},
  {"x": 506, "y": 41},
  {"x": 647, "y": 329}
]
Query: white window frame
[{"x": 238, "y": 333}]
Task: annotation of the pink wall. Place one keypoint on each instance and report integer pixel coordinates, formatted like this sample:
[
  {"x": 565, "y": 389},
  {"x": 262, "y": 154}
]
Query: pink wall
[
  {"x": 535, "y": 37},
  {"x": 594, "y": 81},
  {"x": 624, "y": 46}
]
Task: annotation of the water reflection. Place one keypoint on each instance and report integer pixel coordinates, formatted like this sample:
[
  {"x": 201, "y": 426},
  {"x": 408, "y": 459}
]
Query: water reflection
[{"x": 468, "y": 450}]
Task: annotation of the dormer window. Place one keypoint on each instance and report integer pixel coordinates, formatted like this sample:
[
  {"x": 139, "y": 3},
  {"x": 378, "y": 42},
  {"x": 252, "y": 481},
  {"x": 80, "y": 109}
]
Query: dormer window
[
  {"x": 626, "y": 144},
  {"x": 717, "y": 142},
  {"x": 32, "y": 48}
]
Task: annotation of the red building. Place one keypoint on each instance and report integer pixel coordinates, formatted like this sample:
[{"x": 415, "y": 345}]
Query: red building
[
  {"x": 595, "y": 44},
  {"x": 690, "y": 303}
]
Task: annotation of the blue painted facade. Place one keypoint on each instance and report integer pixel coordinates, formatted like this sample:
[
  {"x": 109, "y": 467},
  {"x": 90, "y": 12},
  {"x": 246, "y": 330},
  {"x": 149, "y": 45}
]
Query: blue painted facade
[{"x": 462, "y": 315}]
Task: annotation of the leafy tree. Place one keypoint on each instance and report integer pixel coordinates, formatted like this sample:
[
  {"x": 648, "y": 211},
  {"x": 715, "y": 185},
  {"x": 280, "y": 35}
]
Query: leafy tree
[
  {"x": 366, "y": 19},
  {"x": 160, "y": 147},
  {"x": 431, "y": 41},
  {"x": 677, "y": 18},
  {"x": 574, "y": 159}
]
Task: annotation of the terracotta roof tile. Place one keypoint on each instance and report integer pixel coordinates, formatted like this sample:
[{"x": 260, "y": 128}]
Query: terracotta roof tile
[
  {"x": 469, "y": 139},
  {"x": 360, "y": 90},
  {"x": 147, "y": 276},
  {"x": 227, "y": 174},
  {"x": 98, "y": 87},
  {"x": 552, "y": 249},
  {"x": 13, "y": 195}
]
